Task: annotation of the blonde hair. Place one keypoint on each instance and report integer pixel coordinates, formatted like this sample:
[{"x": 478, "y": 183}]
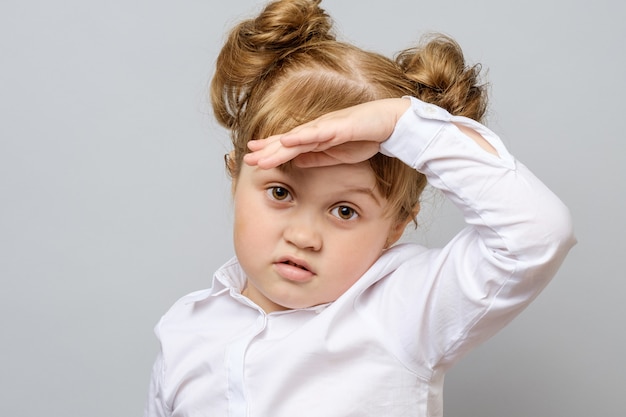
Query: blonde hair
[{"x": 286, "y": 67}]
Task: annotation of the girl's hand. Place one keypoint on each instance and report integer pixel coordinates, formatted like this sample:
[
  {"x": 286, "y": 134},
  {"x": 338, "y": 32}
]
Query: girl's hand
[{"x": 345, "y": 136}]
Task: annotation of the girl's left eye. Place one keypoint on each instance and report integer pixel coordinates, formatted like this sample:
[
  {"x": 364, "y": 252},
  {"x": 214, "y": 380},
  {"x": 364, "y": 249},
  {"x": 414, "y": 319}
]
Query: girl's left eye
[
  {"x": 278, "y": 193},
  {"x": 344, "y": 213}
]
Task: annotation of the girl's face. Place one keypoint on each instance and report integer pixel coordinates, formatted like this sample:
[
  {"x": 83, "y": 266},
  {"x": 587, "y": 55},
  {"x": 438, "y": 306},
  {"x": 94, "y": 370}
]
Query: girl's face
[{"x": 304, "y": 235}]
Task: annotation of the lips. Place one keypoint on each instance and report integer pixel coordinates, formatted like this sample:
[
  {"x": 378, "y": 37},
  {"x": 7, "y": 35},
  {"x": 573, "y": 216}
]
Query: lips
[
  {"x": 295, "y": 264},
  {"x": 294, "y": 269}
]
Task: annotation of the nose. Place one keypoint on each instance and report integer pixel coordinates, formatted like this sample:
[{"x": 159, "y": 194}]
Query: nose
[{"x": 303, "y": 233}]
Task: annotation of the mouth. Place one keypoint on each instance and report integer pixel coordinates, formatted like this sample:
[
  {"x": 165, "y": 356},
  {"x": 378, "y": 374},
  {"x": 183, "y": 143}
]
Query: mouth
[
  {"x": 294, "y": 269},
  {"x": 291, "y": 263}
]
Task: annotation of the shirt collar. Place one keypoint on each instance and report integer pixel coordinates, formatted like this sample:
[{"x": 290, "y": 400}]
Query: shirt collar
[{"x": 231, "y": 278}]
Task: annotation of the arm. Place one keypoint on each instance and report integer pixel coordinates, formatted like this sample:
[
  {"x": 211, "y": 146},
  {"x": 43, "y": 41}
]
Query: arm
[
  {"x": 518, "y": 231},
  {"x": 515, "y": 213},
  {"x": 346, "y": 136}
]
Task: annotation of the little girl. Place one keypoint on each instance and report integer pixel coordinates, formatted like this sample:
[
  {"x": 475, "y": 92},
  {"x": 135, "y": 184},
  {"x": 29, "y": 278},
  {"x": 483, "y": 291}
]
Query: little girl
[{"x": 319, "y": 313}]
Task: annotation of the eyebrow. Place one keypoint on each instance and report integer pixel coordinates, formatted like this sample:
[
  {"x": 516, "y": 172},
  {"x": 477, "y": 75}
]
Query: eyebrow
[
  {"x": 286, "y": 170},
  {"x": 363, "y": 190}
]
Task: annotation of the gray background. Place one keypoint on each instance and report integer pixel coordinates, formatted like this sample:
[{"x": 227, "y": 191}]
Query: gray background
[{"x": 114, "y": 201}]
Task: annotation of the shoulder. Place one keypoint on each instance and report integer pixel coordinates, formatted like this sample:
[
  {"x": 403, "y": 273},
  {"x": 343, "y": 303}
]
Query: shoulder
[
  {"x": 398, "y": 269},
  {"x": 228, "y": 278}
]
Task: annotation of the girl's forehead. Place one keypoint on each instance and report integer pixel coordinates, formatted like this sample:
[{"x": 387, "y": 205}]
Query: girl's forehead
[
  {"x": 360, "y": 172},
  {"x": 335, "y": 174}
]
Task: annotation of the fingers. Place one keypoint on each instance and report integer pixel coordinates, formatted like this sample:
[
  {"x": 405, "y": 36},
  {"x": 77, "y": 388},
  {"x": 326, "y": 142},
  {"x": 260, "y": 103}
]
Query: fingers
[
  {"x": 255, "y": 145},
  {"x": 322, "y": 134},
  {"x": 278, "y": 149},
  {"x": 345, "y": 136},
  {"x": 270, "y": 153},
  {"x": 315, "y": 159}
]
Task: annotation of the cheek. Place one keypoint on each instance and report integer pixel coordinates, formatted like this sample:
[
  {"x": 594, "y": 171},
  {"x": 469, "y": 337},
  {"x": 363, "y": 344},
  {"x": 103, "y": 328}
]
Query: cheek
[
  {"x": 252, "y": 232},
  {"x": 246, "y": 244},
  {"x": 355, "y": 258},
  {"x": 243, "y": 224},
  {"x": 245, "y": 227}
]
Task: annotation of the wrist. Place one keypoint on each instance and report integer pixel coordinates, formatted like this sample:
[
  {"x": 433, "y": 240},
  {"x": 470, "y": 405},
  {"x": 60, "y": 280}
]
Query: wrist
[{"x": 401, "y": 105}]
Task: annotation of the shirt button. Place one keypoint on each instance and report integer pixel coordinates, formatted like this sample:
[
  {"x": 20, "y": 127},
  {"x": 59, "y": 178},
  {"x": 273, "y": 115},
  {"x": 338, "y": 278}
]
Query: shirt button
[{"x": 430, "y": 110}]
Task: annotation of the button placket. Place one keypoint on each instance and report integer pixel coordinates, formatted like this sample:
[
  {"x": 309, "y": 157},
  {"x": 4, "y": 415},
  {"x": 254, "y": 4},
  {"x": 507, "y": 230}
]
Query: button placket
[{"x": 235, "y": 362}]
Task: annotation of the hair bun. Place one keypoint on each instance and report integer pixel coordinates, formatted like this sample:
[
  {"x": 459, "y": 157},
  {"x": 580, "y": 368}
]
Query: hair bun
[
  {"x": 289, "y": 24},
  {"x": 255, "y": 46},
  {"x": 438, "y": 69}
]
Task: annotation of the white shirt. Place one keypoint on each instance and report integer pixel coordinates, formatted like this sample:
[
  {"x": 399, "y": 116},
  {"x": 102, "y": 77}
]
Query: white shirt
[{"x": 383, "y": 347}]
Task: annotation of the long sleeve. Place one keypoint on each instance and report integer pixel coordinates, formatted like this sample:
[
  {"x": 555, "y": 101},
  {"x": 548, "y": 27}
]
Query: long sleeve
[{"x": 518, "y": 233}]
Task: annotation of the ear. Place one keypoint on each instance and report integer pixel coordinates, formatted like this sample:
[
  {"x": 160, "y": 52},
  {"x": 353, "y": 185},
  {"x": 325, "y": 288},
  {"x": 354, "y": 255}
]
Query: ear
[
  {"x": 229, "y": 162},
  {"x": 397, "y": 229}
]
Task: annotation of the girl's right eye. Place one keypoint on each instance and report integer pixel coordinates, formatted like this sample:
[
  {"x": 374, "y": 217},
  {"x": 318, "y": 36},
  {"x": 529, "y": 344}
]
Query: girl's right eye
[{"x": 279, "y": 193}]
